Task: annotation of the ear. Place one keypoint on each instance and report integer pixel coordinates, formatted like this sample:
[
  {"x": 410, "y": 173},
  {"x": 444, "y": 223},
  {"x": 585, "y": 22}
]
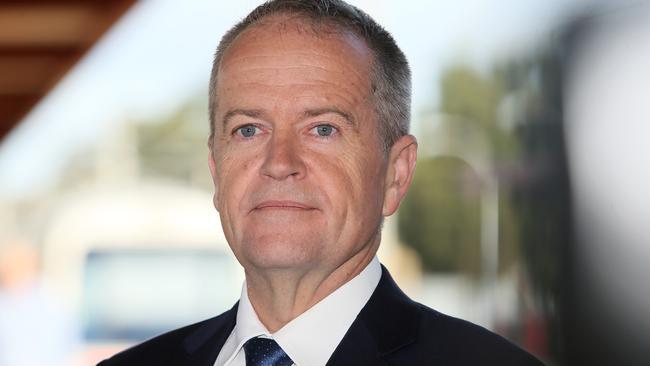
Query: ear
[
  {"x": 399, "y": 174},
  {"x": 213, "y": 172}
]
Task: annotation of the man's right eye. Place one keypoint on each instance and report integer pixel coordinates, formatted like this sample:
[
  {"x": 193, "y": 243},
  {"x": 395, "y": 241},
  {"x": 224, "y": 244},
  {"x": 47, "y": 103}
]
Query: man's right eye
[{"x": 247, "y": 131}]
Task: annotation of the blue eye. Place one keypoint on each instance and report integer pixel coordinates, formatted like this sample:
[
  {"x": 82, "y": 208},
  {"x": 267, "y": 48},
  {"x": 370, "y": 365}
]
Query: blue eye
[
  {"x": 247, "y": 130},
  {"x": 324, "y": 130}
]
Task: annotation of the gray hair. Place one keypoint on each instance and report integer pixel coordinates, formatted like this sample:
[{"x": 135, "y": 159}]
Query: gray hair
[{"x": 390, "y": 74}]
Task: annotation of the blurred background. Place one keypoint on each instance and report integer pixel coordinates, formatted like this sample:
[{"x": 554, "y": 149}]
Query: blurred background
[{"x": 528, "y": 214}]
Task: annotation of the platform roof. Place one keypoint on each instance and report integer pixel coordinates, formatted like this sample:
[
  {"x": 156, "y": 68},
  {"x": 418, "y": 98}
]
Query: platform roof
[{"x": 40, "y": 41}]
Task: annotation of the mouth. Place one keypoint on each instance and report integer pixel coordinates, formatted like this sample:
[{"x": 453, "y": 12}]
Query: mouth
[{"x": 283, "y": 205}]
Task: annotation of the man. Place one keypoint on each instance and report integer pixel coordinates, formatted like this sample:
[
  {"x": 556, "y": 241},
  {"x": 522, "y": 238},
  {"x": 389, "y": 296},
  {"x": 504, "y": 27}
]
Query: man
[{"x": 309, "y": 150}]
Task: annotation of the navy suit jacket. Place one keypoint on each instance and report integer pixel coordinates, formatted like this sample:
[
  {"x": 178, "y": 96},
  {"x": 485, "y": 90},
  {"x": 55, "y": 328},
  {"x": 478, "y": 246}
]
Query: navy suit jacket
[{"x": 391, "y": 329}]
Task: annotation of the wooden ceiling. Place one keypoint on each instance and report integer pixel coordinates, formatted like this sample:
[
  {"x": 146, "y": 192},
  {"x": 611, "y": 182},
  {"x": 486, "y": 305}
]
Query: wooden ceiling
[{"x": 40, "y": 41}]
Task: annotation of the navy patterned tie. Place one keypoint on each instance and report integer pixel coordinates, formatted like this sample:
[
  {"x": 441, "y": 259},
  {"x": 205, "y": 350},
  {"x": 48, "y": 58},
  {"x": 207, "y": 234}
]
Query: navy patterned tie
[{"x": 265, "y": 352}]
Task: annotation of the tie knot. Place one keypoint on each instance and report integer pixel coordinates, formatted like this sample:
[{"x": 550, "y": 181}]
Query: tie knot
[{"x": 265, "y": 352}]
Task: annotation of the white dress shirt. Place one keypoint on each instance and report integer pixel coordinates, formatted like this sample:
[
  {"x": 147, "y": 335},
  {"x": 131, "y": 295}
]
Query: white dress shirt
[{"x": 311, "y": 338}]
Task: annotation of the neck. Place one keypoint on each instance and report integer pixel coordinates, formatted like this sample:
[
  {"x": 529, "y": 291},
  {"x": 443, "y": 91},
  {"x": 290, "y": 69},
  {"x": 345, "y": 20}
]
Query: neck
[{"x": 279, "y": 296}]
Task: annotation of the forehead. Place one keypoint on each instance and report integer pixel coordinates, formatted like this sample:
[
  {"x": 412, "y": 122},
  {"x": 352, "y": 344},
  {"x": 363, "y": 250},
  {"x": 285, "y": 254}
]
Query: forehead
[
  {"x": 285, "y": 52},
  {"x": 286, "y": 33}
]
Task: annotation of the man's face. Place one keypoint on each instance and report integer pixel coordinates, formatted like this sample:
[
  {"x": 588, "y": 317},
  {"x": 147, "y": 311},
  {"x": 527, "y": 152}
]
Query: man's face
[{"x": 296, "y": 159}]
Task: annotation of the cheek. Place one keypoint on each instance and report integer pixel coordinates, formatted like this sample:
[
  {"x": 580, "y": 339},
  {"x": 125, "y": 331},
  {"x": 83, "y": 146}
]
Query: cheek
[
  {"x": 237, "y": 173},
  {"x": 368, "y": 179},
  {"x": 228, "y": 171},
  {"x": 353, "y": 169},
  {"x": 363, "y": 166},
  {"x": 353, "y": 182}
]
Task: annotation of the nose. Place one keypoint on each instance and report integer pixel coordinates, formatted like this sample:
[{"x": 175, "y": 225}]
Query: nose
[{"x": 283, "y": 158}]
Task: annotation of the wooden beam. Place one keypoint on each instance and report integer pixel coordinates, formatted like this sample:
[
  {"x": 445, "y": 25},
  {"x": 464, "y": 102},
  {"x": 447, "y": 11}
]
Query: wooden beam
[{"x": 40, "y": 41}]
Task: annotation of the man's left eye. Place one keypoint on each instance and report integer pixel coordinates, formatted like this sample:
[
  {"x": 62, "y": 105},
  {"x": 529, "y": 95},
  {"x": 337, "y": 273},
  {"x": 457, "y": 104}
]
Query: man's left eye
[{"x": 324, "y": 130}]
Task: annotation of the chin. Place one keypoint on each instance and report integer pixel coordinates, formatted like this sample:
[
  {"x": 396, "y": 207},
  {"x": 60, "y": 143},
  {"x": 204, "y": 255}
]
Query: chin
[{"x": 280, "y": 251}]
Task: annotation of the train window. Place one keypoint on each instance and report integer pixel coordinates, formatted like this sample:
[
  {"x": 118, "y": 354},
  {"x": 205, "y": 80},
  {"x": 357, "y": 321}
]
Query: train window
[{"x": 131, "y": 295}]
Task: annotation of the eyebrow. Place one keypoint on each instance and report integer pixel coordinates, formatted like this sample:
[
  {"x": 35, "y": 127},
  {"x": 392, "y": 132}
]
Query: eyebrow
[
  {"x": 257, "y": 113},
  {"x": 253, "y": 113},
  {"x": 320, "y": 111}
]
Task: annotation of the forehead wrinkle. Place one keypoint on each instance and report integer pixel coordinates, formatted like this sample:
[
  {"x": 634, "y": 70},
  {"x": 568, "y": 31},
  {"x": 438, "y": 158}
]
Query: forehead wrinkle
[
  {"x": 273, "y": 54},
  {"x": 276, "y": 69},
  {"x": 274, "y": 85},
  {"x": 328, "y": 64},
  {"x": 336, "y": 97},
  {"x": 241, "y": 64},
  {"x": 234, "y": 58},
  {"x": 315, "y": 85},
  {"x": 313, "y": 74}
]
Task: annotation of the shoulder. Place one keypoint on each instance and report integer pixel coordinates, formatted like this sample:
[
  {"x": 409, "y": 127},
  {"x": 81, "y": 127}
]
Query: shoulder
[
  {"x": 413, "y": 334},
  {"x": 173, "y": 347},
  {"x": 159, "y": 350},
  {"x": 467, "y": 343}
]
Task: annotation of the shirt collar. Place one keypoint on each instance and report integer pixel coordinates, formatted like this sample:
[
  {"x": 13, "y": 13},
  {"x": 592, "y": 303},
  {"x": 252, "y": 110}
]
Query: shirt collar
[{"x": 297, "y": 337}]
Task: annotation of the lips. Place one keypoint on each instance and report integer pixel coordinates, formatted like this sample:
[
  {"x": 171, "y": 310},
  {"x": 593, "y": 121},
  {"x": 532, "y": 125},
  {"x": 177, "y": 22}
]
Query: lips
[{"x": 283, "y": 205}]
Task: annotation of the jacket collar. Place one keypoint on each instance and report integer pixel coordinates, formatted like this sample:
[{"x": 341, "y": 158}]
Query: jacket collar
[
  {"x": 203, "y": 345},
  {"x": 388, "y": 322}
]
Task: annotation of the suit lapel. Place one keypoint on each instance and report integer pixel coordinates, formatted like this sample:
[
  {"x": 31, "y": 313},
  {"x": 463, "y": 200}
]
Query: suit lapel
[
  {"x": 203, "y": 345},
  {"x": 356, "y": 349},
  {"x": 388, "y": 322}
]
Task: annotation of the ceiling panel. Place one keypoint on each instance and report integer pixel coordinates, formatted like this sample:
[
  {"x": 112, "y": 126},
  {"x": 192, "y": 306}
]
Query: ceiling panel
[{"x": 42, "y": 40}]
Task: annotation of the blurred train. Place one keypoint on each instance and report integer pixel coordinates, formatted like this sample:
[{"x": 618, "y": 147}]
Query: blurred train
[{"x": 138, "y": 261}]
